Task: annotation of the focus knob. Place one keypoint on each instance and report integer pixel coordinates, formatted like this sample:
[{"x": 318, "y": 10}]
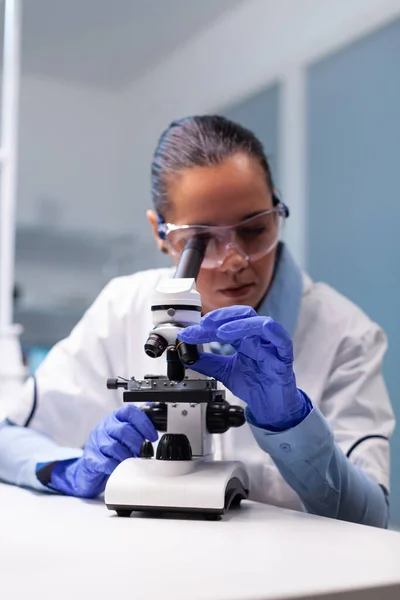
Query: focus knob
[
  {"x": 221, "y": 416},
  {"x": 236, "y": 416},
  {"x": 147, "y": 450},
  {"x": 174, "y": 446},
  {"x": 157, "y": 414}
]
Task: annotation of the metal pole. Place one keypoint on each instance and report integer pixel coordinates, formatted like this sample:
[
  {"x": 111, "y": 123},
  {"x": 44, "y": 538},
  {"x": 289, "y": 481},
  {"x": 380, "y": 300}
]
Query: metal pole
[
  {"x": 12, "y": 371},
  {"x": 8, "y": 156},
  {"x": 292, "y": 163}
]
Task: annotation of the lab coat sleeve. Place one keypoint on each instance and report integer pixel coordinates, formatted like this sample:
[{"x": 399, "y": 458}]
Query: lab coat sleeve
[
  {"x": 68, "y": 395},
  {"x": 337, "y": 459},
  {"x": 356, "y": 403},
  {"x": 21, "y": 449},
  {"x": 327, "y": 483}
]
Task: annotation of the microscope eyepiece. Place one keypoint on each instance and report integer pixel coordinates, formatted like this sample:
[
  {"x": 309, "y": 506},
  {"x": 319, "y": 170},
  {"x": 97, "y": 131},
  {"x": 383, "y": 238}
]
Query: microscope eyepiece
[{"x": 155, "y": 345}]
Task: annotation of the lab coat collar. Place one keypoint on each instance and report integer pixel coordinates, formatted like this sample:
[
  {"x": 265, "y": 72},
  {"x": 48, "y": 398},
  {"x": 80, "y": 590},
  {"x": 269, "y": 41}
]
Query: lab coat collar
[{"x": 283, "y": 299}]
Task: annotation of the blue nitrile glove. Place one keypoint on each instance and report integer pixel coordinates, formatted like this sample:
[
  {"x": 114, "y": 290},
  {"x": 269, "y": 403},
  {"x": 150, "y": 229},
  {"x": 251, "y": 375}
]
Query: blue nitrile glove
[
  {"x": 260, "y": 372},
  {"x": 118, "y": 436}
]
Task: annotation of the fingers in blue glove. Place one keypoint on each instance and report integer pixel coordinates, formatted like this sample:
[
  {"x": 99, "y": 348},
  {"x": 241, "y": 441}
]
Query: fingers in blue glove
[
  {"x": 118, "y": 437},
  {"x": 260, "y": 372},
  {"x": 232, "y": 324},
  {"x": 105, "y": 454},
  {"x": 129, "y": 413},
  {"x": 207, "y": 330},
  {"x": 262, "y": 327},
  {"x": 213, "y": 365},
  {"x": 127, "y": 436}
]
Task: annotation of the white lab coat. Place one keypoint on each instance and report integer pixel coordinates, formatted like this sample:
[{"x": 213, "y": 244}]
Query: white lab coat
[{"x": 338, "y": 354}]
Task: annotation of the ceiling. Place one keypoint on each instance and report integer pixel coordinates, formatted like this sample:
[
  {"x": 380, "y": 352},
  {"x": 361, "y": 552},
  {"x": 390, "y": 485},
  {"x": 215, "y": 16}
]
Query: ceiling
[{"x": 108, "y": 43}]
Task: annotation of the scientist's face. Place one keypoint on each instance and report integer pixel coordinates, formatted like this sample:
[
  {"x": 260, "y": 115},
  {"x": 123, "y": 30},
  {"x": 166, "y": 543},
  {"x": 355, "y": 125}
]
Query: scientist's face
[{"x": 223, "y": 195}]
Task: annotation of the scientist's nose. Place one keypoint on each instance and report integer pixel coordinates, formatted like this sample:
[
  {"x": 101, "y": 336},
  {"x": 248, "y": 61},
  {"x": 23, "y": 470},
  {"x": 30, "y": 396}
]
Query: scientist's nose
[{"x": 235, "y": 259}]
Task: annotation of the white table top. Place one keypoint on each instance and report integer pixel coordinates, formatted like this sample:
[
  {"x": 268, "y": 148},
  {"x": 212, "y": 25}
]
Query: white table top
[{"x": 66, "y": 548}]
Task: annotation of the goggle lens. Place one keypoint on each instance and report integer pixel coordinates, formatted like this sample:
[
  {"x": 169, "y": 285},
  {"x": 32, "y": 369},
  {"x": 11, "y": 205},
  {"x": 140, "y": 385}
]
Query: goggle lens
[{"x": 253, "y": 238}]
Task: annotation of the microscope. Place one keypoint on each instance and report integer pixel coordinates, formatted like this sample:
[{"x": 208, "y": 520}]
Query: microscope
[{"x": 187, "y": 408}]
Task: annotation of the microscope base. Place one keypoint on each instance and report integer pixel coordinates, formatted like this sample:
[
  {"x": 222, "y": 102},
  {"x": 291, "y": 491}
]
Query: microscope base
[{"x": 197, "y": 486}]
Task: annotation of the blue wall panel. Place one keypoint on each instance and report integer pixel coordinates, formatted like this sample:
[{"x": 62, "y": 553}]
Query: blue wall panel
[
  {"x": 260, "y": 113},
  {"x": 353, "y": 189}
]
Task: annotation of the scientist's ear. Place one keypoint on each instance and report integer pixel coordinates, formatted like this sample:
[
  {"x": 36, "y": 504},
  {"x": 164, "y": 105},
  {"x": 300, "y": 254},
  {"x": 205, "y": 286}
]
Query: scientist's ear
[{"x": 152, "y": 218}]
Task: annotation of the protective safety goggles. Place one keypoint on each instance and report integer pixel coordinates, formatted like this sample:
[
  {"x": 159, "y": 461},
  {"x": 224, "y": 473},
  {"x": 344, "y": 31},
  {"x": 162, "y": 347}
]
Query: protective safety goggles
[{"x": 252, "y": 238}]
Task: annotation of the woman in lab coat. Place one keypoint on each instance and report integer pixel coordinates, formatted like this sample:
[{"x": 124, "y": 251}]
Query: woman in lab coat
[{"x": 302, "y": 359}]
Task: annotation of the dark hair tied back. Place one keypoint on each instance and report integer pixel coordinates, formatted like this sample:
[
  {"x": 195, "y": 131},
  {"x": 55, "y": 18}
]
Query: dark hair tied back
[{"x": 201, "y": 141}]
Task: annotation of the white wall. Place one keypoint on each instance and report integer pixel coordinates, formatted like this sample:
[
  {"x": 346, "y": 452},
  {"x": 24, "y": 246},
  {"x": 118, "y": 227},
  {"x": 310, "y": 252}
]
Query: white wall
[
  {"x": 68, "y": 156},
  {"x": 68, "y": 182},
  {"x": 72, "y": 145},
  {"x": 253, "y": 45},
  {"x": 85, "y": 154}
]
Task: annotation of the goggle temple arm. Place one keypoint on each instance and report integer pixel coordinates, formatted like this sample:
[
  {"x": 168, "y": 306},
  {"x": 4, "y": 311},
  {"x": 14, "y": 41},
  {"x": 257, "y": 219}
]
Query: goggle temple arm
[
  {"x": 278, "y": 202},
  {"x": 160, "y": 229}
]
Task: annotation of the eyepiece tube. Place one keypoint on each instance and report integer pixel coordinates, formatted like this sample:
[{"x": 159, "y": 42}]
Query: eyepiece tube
[{"x": 191, "y": 258}]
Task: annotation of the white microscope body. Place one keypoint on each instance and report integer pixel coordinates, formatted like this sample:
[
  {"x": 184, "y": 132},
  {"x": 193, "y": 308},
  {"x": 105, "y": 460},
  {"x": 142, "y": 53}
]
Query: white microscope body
[{"x": 187, "y": 407}]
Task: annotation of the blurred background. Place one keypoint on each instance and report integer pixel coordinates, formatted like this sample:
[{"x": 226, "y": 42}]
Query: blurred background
[{"x": 317, "y": 80}]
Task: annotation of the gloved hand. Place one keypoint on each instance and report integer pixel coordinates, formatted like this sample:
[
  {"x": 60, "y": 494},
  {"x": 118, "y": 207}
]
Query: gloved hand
[
  {"x": 260, "y": 372},
  {"x": 118, "y": 436}
]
